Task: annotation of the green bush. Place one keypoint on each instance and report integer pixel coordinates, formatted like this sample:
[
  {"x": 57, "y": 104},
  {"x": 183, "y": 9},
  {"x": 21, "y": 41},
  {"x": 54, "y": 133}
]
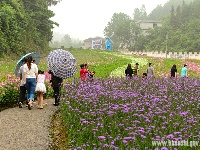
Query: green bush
[
  {"x": 10, "y": 94},
  {"x": 9, "y": 97}
]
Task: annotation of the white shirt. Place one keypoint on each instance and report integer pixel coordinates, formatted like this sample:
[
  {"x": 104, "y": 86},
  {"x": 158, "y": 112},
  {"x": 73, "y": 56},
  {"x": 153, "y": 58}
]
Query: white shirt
[
  {"x": 31, "y": 73},
  {"x": 41, "y": 78}
]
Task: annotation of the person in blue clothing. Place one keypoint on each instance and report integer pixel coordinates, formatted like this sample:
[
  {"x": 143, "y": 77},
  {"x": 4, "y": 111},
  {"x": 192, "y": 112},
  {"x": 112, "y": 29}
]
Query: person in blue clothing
[{"x": 184, "y": 71}]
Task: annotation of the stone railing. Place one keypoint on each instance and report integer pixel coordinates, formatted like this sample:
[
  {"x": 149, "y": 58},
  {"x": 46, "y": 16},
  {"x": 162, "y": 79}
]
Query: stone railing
[{"x": 180, "y": 55}]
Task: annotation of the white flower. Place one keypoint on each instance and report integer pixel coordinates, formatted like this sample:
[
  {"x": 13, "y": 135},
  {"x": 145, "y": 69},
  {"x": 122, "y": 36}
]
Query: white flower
[{"x": 119, "y": 72}]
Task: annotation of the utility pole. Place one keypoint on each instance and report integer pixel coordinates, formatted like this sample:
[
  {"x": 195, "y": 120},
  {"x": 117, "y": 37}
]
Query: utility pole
[
  {"x": 166, "y": 44},
  {"x": 132, "y": 36}
]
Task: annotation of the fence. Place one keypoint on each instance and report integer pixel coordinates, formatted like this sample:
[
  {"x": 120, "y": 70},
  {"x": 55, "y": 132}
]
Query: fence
[{"x": 180, "y": 55}]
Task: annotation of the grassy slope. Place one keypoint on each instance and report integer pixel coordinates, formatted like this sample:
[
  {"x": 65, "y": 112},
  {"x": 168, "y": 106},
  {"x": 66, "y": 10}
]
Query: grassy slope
[{"x": 103, "y": 63}]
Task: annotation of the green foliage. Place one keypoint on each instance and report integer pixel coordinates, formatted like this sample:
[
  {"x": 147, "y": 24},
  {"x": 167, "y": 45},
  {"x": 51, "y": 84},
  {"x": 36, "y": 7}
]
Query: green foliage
[
  {"x": 9, "y": 96},
  {"x": 182, "y": 28},
  {"x": 49, "y": 91},
  {"x": 161, "y": 11},
  {"x": 25, "y": 24},
  {"x": 102, "y": 62},
  {"x": 140, "y": 14},
  {"x": 120, "y": 29}
]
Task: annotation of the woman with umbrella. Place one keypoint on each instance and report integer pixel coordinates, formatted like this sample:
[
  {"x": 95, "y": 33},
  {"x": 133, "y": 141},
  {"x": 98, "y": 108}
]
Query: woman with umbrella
[
  {"x": 30, "y": 79},
  {"x": 62, "y": 65}
]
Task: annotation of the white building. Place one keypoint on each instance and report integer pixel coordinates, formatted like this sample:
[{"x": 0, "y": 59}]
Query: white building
[{"x": 146, "y": 25}]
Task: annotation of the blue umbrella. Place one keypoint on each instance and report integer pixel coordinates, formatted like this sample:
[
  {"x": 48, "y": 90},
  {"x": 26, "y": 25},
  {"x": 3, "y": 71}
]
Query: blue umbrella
[
  {"x": 36, "y": 57},
  {"x": 62, "y": 63}
]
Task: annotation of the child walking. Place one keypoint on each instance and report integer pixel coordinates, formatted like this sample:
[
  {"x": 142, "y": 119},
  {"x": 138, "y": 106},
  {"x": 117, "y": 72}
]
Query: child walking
[{"x": 40, "y": 88}]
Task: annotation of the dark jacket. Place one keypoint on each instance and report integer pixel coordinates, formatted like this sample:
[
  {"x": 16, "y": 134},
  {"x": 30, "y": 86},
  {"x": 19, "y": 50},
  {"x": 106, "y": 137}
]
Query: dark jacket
[
  {"x": 129, "y": 72},
  {"x": 55, "y": 81}
]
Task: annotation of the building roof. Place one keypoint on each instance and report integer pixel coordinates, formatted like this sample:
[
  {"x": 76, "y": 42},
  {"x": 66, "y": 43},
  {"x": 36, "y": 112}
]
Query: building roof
[
  {"x": 90, "y": 39},
  {"x": 147, "y": 21}
]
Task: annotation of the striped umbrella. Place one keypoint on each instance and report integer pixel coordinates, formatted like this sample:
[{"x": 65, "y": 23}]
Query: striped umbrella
[
  {"x": 36, "y": 57},
  {"x": 62, "y": 63}
]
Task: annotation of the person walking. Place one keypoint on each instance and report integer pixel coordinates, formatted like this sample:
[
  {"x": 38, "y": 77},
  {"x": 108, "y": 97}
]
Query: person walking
[
  {"x": 22, "y": 94},
  {"x": 30, "y": 79},
  {"x": 173, "y": 71},
  {"x": 56, "y": 84},
  {"x": 136, "y": 69},
  {"x": 40, "y": 88},
  {"x": 184, "y": 71},
  {"x": 129, "y": 71},
  {"x": 150, "y": 70}
]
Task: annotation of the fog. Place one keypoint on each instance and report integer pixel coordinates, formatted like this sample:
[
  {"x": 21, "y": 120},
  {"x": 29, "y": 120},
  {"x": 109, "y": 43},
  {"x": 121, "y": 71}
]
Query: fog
[{"x": 82, "y": 19}]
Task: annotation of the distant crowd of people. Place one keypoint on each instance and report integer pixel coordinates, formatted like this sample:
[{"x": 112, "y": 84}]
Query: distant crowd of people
[{"x": 130, "y": 72}]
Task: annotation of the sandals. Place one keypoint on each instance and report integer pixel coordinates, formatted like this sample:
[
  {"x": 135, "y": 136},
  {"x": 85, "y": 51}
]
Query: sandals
[
  {"x": 30, "y": 104},
  {"x": 40, "y": 107}
]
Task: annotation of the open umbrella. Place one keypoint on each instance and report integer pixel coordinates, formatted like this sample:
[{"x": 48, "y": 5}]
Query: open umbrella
[
  {"x": 62, "y": 63},
  {"x": 36, "y": 57}
]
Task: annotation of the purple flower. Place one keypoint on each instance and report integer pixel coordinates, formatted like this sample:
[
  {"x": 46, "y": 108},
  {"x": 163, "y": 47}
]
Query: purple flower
[
  {"x": 127, "y": 138},
  {"x": 183, "y": 114},
  {"x": 177, "y": 133},
  {"x": 101, "y": 137},
  {"x": 110, "y": 112},
  {"x": 142, "y": 136},
  {"x": 164, "y": 148},
  {"x": 118, "y": 111},
  {"x": 125, "y": 141},
  {"x": 106, "y": 145},
  {"x": 170, "y": 136}
]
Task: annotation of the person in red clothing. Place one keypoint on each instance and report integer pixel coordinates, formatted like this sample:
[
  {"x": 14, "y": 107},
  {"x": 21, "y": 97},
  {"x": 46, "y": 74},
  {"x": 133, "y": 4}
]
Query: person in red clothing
[
  {"x": 83, "y": 72},
  {"x": 90, "y": 75}
]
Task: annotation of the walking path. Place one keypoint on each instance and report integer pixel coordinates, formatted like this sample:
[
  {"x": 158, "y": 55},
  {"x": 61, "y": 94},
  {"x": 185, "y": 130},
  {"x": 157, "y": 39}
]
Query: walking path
[{"x": 23, "y": 129}]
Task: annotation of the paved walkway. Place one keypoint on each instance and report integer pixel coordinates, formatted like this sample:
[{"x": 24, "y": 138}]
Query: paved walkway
[{"x": 23, "y": 129}]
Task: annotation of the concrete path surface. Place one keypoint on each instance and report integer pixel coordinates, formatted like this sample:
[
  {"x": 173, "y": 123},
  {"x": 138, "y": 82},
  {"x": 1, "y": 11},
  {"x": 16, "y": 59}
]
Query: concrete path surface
[{"x": 23, "y": 129}]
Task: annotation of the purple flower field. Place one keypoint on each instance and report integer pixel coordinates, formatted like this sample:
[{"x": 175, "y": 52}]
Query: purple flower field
[{"x": 120, "y": 113}]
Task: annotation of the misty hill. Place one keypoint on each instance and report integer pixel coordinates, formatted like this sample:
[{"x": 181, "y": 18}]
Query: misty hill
[
  {"x": 65, "y": 40},
  {"x": 57, "y": 36},
  {"x": 161, "y": 11}
]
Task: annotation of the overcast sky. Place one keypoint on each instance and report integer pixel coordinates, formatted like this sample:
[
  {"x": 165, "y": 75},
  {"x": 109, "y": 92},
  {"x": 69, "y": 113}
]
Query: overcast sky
[{"x": 88, "y": 18}]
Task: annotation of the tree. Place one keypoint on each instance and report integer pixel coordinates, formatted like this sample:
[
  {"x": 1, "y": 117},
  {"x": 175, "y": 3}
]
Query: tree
[
  {"x": 156, "y": 13},
  {"x": 118, "y": 28},
  {"x": 25, "y": 25},
  {"x": 11, "y": 26},
  {"x": 53, "y": 2},
  {"x": 172, "y": 19},
  {"x": 66, "y": 41},
  {"x": 140, "y": 14}
]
